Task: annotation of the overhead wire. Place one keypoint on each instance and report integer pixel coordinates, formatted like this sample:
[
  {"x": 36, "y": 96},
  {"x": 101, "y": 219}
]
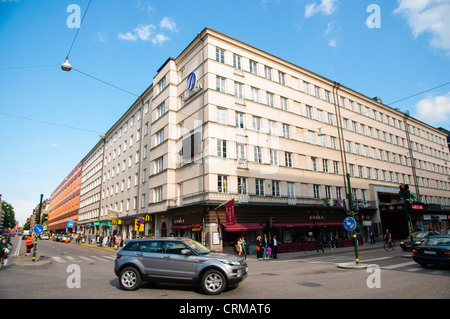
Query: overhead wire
[{"x": 78, "y": 29}]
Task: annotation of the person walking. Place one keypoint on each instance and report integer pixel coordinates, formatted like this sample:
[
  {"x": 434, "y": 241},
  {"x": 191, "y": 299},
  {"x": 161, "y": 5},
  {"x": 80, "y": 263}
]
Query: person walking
[
  {"x": 332, "y": 241},
  {"x": 29, "y": 244},
  {"x": 244, "y": 247},
  {"x": 319, "y": 243},
  {"x": 372, "y": 237},
  {"x": 259, "y": 248},
  {"x": 274, "y": 247},
  {"x": 266, "y": 246}
]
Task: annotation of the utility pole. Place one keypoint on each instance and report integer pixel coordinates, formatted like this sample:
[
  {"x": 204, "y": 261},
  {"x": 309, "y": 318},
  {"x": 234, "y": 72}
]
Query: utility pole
[
  {"x": 352, "y": 214},
  {"x": 38, "y": 220}
]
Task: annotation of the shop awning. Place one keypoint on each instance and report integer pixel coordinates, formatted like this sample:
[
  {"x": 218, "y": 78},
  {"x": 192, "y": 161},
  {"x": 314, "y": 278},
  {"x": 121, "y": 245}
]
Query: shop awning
[
  {"x": 243, "y": 227},
  {"x": 292, "y": 225},
  {"x": 186, "y": 226},
  {"x": 330, "y": 224}
]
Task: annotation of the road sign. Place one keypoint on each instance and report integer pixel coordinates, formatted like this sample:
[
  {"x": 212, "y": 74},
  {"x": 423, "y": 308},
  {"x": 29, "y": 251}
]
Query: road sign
[
  {"x": 349, "y": 223},
  {"x": 38, "y": 229}
]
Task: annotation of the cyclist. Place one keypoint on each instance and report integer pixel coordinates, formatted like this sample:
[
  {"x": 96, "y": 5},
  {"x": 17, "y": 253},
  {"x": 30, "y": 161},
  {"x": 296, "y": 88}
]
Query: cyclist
[
  {"x": 388, "y": 237},
  {"x": 4, "y": 247}
]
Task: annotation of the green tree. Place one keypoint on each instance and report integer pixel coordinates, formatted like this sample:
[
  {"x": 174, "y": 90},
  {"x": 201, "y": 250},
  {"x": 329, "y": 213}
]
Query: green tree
[{"x": 10, "y": 218}]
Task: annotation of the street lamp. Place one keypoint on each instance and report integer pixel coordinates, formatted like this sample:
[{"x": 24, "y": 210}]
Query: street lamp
[{"x": 66, "y": 66}]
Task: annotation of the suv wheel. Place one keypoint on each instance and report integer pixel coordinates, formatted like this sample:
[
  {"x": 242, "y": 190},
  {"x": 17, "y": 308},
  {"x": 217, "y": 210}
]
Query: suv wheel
[
  {"x": 130, "y": 279},
  {"x": 213, "y": 282}
]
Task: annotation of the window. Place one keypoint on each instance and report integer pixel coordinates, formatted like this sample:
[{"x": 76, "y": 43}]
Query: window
[
  {"x": 281, "y": 78},
  {"x": 284, "y": 104},
  {"x": 221, "y": 116},
  {"x": 220, "y": 84},
  {"x": 259, "y": 183},
  {"x": 242, "y": 186},
  {"x": 160, "y": 137},
  {"x": 257, "y": 154},
  {"x": 255, "y": 94},
  {"x": 316, "y": 191},
  {"x": 222, "y": 184},
  {"x": 288, "y": 159},
  {"x": 290, "y": 190},
  {"x": 267, "y": 73},
  {"x": 220, "y": 55},
  {"x": 237, "y": 62},
  {"x": 325, "y": 165},
  {"x": 276, "y": 188},
  {"x": 240, "y": 123},
  {"x": 317, "y": 92},
  {"x": 222, "y": 148},
  {"x": 159, "y": 165},
  {"x": 253, "y": 67},
  {"x": 157, "y": 194},
  {"x": 286, "y": 132},
  {"x": 257, "y": 124},
  {"x": 273, "y": 157},
  {"x": 239, "y": 91},
  {"x": 314, "y": 164},
  {"x": 240, "y": 151},
  {"x": 309, "y": 112},
  {"x": 272, "y": 128},
  {"x": 270, "y": 99},
  {"x": 160, "y": 110}
]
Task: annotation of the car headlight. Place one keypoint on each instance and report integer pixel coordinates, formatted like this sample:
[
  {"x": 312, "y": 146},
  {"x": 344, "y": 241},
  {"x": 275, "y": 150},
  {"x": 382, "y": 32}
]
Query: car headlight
[{"x": 232, "y": 262}]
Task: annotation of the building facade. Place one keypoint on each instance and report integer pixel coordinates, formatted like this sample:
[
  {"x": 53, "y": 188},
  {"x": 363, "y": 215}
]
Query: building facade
[
  {"x": 65, "y": 203},
  {"x": 226, "y": 121}
]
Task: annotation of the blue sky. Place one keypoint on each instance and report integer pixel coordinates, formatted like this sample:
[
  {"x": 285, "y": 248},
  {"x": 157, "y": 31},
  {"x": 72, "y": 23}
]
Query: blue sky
[{"x": 50, "y": 119}]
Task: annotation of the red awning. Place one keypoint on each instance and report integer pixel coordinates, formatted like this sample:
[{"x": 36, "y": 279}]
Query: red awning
[
  {"x": 243, "y": 227},
  {"x": 186, "y": 226},
  {"x": 292, "y": 225},
  {"x": 330, "y": 224}
]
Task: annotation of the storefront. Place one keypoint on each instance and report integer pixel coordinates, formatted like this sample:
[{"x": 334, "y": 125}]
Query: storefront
[{"x": 187, "y": 224}]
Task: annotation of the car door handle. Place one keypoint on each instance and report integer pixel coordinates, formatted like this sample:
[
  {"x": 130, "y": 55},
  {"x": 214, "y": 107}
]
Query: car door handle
[
  {"x": 166, "y": 257},
  {"x": 139, "y": 254}
]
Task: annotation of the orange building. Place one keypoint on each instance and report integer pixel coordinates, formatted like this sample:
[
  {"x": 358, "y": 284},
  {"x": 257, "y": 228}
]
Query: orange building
[{"x": 65, "y": 202}]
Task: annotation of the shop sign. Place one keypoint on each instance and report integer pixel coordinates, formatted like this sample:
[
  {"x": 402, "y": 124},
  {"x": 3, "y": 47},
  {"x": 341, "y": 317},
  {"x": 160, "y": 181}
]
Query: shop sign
[
  {"x": 417, "y": 206},
  {"x": 192, "y": 89},
  {"x": 148, "y": 218},
  {"x": 316, "y": 217},
  {"x": 229, "y": 212},
  {"x": 179, "y": 220}
]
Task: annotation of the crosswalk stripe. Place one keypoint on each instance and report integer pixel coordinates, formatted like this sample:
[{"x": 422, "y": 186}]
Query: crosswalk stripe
[
  {"x": 395, "y": 266},
  {"x": 73, "y": 259},
  {"x": 60, "y": 260}
]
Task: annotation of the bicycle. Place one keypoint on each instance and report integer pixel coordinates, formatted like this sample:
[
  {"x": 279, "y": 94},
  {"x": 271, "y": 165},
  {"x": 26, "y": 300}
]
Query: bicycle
[
  {"x": 390, "y": 245},
  {"x": 2, "y": 259}
]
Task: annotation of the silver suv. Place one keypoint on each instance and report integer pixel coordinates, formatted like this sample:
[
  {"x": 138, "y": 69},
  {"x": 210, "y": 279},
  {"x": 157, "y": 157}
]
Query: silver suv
[{"x": 180, "y": 260}]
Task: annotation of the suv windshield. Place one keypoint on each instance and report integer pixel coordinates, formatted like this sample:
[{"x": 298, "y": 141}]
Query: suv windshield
[{"x": 199, "y": 248}]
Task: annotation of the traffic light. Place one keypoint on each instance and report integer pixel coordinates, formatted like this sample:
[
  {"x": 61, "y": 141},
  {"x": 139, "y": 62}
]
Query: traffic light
[
  {"x": 137, "y": 224},
  {"x": 404, "y": 192}
]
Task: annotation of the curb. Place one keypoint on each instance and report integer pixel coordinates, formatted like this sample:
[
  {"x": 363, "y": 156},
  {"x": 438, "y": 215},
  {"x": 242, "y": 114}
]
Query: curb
[
  {"x": 353, "y": 266},
  {"x": 92, "y": 246},
  {"x": 26, "y": 262}
]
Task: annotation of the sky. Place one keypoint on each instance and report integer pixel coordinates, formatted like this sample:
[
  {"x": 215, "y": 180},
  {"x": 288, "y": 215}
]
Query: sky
[{"x": 50, "y": 119}]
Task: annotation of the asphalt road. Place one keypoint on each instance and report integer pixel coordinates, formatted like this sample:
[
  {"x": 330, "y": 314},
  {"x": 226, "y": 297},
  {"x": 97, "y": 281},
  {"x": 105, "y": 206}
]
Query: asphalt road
[{"x": 76, "y": 271}]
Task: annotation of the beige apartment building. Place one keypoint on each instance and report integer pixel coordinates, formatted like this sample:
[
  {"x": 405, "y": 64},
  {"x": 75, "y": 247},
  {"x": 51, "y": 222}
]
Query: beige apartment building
[{"x": 226, "y": 121}]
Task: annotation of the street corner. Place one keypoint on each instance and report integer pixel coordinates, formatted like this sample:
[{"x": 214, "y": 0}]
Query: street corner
[{"x": 27, "y": 261}]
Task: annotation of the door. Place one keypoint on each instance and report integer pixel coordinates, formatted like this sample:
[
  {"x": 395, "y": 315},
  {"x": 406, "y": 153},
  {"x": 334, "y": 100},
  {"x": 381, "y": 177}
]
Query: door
[
  {"x": 176, "y": 265},
  {"x": 152, "y": 255}
]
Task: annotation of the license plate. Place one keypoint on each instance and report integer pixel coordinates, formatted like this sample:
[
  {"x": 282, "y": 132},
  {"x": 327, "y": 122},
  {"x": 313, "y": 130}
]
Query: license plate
[{"x": 429, "y": 252}]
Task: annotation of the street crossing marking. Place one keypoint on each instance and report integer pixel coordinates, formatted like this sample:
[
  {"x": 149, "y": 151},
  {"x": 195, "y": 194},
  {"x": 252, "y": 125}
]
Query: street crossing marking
[
  {"x": 79, "y": 259},
  {"x": 395, "y": 266},
  {"x": 60, "y": 260}
]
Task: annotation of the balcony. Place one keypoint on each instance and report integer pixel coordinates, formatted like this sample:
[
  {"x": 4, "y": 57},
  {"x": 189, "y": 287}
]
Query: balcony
[{"x": 253, "y": 199}]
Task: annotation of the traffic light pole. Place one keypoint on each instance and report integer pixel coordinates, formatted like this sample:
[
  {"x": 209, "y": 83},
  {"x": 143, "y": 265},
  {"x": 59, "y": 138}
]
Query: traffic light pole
[
  {"x": 38, "y": 219},
  {"x": 352, "y": 214}
]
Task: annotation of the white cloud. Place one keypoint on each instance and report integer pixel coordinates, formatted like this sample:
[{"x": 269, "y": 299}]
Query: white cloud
[
  {"x": 433, "y": 110},
  {"x": 127, "y": 36},
  {"x": 428, "y": 16},
  {"x": 159, "y": 39},
  {"x": 169, "y": 24},
  {"x": 327, "y": 7},
  {"x": 333, "y": 43},
  {"x": 149, "y": 32},
  {"x": 144, "y": 31}
]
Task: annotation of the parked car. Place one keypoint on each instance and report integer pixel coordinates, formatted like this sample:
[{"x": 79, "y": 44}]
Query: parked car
[
  {"x": 418, "y": 238},
  {"x": 179, "y": 260},
  {"x": 45, "y": 236},
  {"x": 446, "y": 232},
  {"x": 435, "y": 250}
]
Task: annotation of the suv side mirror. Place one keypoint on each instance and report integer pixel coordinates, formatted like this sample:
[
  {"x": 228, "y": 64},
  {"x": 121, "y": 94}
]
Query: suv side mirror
[{"x": 186, "y": 252}]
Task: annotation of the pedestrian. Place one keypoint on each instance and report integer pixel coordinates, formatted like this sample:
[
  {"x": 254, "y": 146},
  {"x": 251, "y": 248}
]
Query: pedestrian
[
  {"x": 259, "y": 248},
  {"x": 332, "y": 241},
  {"x": 244, "y": 247},
  {"x": 274, "y": 247},
  {"x": 29, "y": 244},
  {"x": 372, "y": 237},
  {"x": 239, "y": 246},
  {"x": 266, "y": 246},
  {"x": 319, "y": 243}
]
